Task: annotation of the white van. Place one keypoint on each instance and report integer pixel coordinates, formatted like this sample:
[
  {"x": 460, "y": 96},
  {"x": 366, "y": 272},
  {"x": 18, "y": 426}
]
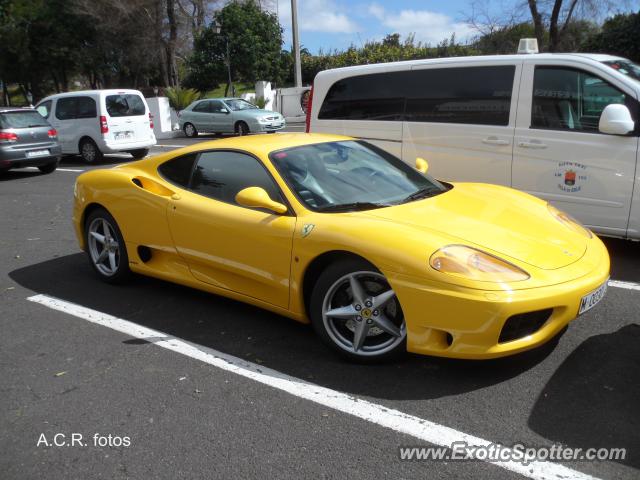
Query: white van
[
  {"x": 563, "y": 127},
  {"x": 94, "y": 122}
]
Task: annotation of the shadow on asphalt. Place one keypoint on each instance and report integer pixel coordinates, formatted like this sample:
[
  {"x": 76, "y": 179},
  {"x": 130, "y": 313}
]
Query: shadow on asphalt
[
  {"x": 625, "y": 259},
  {"x": 593, "y": 398},
  {"x": 260, "y": 336}
]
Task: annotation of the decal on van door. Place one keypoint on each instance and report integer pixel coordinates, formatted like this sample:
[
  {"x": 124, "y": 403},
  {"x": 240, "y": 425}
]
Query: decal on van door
[{"x": 571, "y": 176}]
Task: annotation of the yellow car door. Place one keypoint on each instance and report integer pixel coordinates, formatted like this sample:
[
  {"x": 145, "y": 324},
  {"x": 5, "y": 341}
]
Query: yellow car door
[{"x": 242, "y": 249}]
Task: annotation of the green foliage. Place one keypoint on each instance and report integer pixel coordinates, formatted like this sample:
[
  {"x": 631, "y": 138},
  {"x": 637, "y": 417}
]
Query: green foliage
[
  {"x": 259, "y": 102},
  {"x": 180, "y": 98},
  {"x": 619, "y": 36},
  {"x": 255, "y": 42}
]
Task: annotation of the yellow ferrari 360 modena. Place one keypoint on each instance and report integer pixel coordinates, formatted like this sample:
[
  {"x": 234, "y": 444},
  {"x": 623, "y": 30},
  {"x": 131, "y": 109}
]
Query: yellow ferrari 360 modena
[{"x": 377, "y": 255}]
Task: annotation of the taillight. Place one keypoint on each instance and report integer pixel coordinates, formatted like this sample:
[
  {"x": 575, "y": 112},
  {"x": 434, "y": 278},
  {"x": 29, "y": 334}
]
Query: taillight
[
  {"x": 104, "y": 127},
  {"x": 53, "y": 133},
  {"x": 8, "y": 137},
  {"x": 309, "y": 104},
  {"x": 150, "y": 120}
]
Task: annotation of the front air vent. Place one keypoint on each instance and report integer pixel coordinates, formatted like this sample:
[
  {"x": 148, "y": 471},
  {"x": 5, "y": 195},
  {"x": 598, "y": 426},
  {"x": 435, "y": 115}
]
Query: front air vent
[{"x": 524, "y": 324}]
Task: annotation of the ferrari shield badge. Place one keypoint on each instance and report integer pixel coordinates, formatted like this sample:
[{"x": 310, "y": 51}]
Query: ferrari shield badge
[{"x": 306, "y": 229}]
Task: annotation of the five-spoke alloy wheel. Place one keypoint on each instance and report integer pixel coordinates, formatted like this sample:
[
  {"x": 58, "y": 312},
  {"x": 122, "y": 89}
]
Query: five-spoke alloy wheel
[
  {"x": 105, "y": 246},
  {"x": 356, "y": 312}
]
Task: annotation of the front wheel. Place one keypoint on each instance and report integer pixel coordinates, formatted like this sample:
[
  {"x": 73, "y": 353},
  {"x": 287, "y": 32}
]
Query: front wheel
[
  {"x": 190, "y": 130},
  {"x": 105, "y": 247},
  {"x": 355, "y": 311},
  {"x": 140, "y": 153},
  {"x": 242, "y": 129}
]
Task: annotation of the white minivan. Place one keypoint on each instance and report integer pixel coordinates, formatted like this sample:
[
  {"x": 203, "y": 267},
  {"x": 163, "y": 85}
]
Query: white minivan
[
  {"x": 94, "y": 122},
  {"x": 563, "y": 127}
]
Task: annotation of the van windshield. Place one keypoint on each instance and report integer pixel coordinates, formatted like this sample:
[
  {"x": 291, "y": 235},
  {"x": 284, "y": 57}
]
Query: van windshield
[
  {"x": 125, "y": 105},
  {"x": 351, "y": 175},
  {"x": 626, "y": 67}
]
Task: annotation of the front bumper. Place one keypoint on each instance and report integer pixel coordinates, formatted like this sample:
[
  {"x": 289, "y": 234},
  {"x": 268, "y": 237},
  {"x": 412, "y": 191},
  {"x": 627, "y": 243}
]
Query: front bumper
[
  {"x": 450, "y": 321},
  {"x": 270, "y": 127}
]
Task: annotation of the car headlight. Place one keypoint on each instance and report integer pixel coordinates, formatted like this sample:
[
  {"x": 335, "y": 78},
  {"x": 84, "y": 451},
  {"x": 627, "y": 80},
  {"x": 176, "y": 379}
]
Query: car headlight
[
  {"x": 468, "y": 262},
  {"x": 569, "y": 222},
  {"x": 263, "y": 120}
]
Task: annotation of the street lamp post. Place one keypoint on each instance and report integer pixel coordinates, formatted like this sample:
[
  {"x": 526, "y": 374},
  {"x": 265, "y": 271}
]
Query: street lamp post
[{"x": 217, "y": 29}]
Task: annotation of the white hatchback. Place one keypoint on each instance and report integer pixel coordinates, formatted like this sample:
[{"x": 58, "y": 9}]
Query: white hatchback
[{"x": 94, "y": 122}]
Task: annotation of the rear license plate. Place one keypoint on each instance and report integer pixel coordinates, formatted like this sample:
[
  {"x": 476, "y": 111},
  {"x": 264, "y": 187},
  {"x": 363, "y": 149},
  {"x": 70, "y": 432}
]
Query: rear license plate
[
  {"x": 591, "y": 300},
  {"x": 122, "y": 135},
  {"x": 37, "y": 153}
]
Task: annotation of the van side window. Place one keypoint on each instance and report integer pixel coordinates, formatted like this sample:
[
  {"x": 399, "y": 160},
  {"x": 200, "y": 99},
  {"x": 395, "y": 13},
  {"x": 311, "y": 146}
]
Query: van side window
[
  {"x": 66, "y": 108},
  {"x": 221, "y": 175},
  {"x": 44, "y": 108},
  {"x": 86, "y": 107},
  {"x": 569, "y": 99},
  {"x": 378, "y": 96},
  {"x": 470, "y": 95}
]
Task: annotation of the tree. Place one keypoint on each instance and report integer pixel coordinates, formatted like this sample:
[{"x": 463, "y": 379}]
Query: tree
[
  {"x": 255, "y": 44},
  {"x": 619, "y": 36}
]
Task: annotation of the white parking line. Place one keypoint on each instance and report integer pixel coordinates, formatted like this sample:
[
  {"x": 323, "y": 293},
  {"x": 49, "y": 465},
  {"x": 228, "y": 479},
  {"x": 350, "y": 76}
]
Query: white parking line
[
  {"x": 396, "y": 420},
  {"x": 626, "y": 285},
  {"x": 57, "y": 169}
]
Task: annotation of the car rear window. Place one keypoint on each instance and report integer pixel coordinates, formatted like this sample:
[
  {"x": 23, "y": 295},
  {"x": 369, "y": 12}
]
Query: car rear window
[
  {"x": 22, "y": 120},
  {"x": 125, "y": 105}
]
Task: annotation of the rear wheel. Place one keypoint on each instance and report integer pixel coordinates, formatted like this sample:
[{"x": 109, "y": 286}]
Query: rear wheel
[
  {"x": 355, "y": 311},
  {"x": 190, "y": 130},
  {"x": 89, "y": 151},
  {"x": 139, "y": 153},
  {"x": 242, "y": 129},
  {"x": 105, "y": 247},
  {"x": 49, "y": 167}
]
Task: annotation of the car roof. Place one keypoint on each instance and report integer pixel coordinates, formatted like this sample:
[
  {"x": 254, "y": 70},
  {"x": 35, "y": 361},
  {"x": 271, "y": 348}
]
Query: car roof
[{"x": 108, "y": 91}]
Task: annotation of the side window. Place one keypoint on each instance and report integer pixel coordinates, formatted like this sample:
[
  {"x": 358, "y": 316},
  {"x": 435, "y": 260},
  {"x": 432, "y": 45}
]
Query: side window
[
  {"x": 44, "y": 108},
  {"x": 86, "y": 107},
  {"x": 202, "y": 107},
  {"x": 216, "y": 106},
  {"x": 569, "y": 99},
  {"x": 378, "y": 96},
  {"x": 470, "y": 95},
  {"x": 66, "y": 108},
  {"x": 221, "y": 175},
  {"x": 178, "y": 170}
]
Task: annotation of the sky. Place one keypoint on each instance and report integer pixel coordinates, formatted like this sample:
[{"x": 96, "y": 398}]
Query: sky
[{"x": 337, "y": 24}]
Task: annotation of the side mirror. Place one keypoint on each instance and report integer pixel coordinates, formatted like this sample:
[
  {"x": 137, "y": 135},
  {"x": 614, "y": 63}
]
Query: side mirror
[
  {"x": 616, "y": 120},
  {"x": 224, "y": 110},
  {"x": 421, "y": 165},
  {"x": 257, "y": 197}
]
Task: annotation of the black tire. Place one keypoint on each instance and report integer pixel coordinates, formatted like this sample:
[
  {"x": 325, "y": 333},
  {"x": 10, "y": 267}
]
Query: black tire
[
  {"x": 140, "y": 153},
  {"x": 49, "y": 167},
  {"x": 242, "y": 129},
  {"x": 333, "y": 275},
  {"x": 90, "y": 152},
  {"x": 122, "y": 272},
  {"x": 190, "y": 130},
  {"x": 271, "y": 131}
]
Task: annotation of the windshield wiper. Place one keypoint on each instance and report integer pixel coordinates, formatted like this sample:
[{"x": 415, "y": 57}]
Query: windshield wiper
[
  {"x": 345, "y": 207},
  {"x": 422, "y": 193}
]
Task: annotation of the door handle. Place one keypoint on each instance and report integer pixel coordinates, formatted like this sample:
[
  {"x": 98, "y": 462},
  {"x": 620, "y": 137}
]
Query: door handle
[
  {"x": 532, "y": 144},
  {"x": 495, "y": 141}
]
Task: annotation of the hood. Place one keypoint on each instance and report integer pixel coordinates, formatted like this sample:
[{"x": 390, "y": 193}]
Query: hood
[{"x": 496, "y": 219}]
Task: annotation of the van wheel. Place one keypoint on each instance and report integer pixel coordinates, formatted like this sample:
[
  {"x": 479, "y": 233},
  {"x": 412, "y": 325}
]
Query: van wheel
[
  {"x": 89, "y": 151},
  {"x": 242, "y": 129},
  {"x": 49, "y": 167},
  {"x": 139, "y": 153},
  {"x": 189, "y": 130}
]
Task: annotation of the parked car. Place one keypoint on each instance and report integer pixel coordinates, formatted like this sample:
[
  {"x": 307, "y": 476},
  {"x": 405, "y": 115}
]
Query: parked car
[
  {"x": 94, "y": 122},
  {"x": 377, "y": 255},
  {"x": 228, "y": 115},
  {"x": 27, "y": 140},
  {"x": 563, "y": 127}
]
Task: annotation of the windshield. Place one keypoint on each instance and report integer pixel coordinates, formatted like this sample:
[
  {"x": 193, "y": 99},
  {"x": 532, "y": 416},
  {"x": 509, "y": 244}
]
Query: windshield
[
  {"x": 26, "y": 119},
  {"x": 236, "y": 104},
  {"x": 626, "y": 67},
  {"x": 351, "y": 175}
]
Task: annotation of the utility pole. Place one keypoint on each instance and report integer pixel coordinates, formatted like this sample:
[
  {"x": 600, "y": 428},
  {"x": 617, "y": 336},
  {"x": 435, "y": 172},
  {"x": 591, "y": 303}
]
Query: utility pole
[{"x": 296, "y": 43}]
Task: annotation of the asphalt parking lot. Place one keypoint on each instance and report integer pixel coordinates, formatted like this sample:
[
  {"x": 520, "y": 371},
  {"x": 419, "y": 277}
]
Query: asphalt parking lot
[{"x": 205, "y": 387}]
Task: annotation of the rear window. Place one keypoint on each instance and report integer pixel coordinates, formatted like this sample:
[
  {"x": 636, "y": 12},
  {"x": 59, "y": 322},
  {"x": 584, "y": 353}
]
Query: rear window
[
  {"x": 22, "y": 120},
  {"x": 125, "y": 105}
]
